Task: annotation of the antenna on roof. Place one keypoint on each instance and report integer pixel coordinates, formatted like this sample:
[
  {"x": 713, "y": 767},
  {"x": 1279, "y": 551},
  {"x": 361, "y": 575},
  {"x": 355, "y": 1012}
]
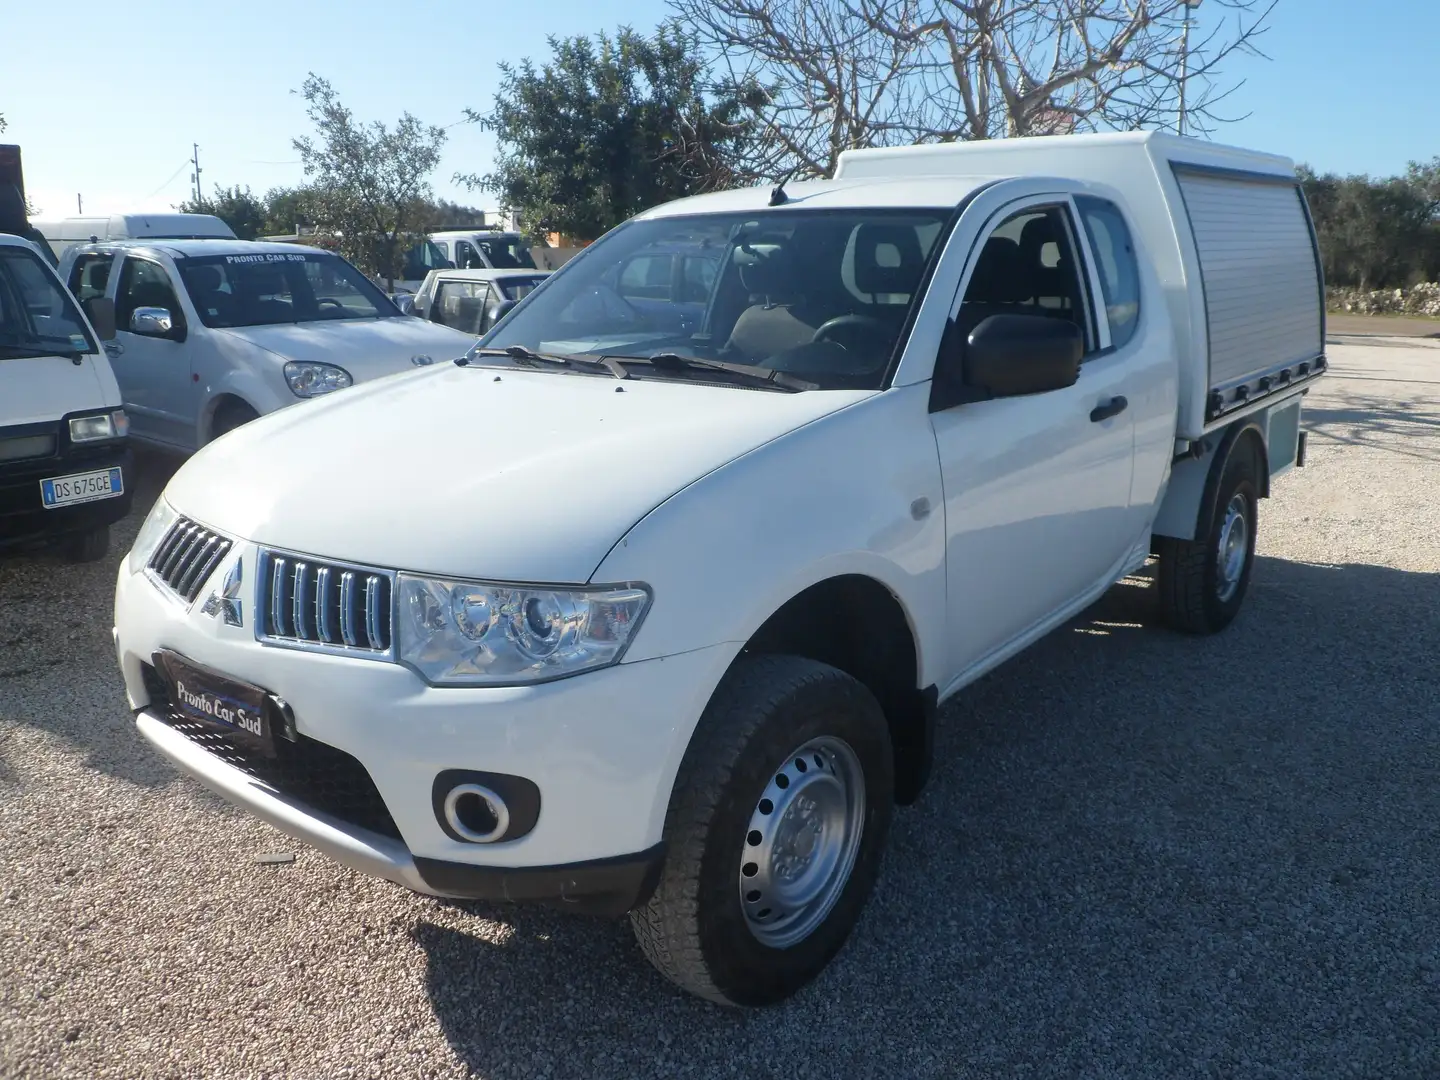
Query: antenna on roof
[{"x": 777, "y": 193}]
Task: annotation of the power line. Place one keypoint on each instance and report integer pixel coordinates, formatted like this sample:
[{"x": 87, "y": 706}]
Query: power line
[{"x": 167, "y": 183}]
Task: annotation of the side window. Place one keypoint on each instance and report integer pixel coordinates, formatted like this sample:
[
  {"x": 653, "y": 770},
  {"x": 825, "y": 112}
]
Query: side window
[
  {"x": 1028, "y": 267},
  {"x": 466, "y": 257},
  {"x": 1115, "y": 258},
  {"x": 90, "y": 275},
  {"x": 697, "y": 278},
  {"x": 647, "y": 277},
  {"x": 144, "y": 284},
  {"x": 461, "y": 304},
  {"x": 444, "y": 246}
]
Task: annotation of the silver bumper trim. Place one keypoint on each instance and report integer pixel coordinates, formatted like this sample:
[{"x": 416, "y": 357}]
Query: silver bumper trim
[{"x": 359, "y": 849}]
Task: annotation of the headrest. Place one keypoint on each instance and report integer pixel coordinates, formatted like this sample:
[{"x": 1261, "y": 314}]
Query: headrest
[
  {"x": 205, "y": 279},
  {"x": 999, "y": 276},
  {"x": 765, "y": 268},
  {"x": 1037, "y": 233},
  {"x": 887, "y": 259}
]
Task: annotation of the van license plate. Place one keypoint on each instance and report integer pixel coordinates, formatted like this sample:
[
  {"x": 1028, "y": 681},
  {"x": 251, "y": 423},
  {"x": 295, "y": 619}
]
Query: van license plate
[{"x": 81, "y": 488}]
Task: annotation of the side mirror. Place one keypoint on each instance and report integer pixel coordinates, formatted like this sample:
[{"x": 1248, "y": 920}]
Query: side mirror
[
  {"x": 406, "y": 303},
  {"x": 151, "y": 322},
  {"x": 100, "y": 310},
  {"x": 501, "y": 310},
  {"x": 1009, "y": 355}
]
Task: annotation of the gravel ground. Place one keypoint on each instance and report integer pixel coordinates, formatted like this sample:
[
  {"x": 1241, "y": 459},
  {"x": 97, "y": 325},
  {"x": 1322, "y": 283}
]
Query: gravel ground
[{"x": 1141, "y": 855}]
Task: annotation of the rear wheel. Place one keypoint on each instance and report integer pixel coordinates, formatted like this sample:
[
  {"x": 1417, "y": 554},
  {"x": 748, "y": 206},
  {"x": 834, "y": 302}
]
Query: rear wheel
[
  {"x": 87, "y": 546},
  {"x": 230, "y": 416},
  {"x": 1203, "y": 582},
  {"x": 774, "y": 833}
]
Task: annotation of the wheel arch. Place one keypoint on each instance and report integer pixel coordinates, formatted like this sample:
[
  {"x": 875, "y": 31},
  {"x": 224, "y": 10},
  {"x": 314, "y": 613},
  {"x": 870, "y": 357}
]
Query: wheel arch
[{"x": 1188, "y": 508}]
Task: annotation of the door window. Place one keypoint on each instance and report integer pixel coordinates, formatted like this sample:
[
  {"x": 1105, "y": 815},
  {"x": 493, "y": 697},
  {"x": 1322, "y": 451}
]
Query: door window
[
  {"x": 466, "y": 257},
  {"x": 1115, "y": 259},
  {"x": 1028, "y": 266},
  {"x": 647, "y": 278},
  {"x": 145, "y": 284},
  {"x": 463, "y": 305},
  {"x": 90, "y": 275}
]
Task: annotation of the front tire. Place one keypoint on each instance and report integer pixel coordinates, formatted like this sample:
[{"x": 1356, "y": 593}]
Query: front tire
[
  {"x": 86, "y": 547},
  {"x": 231, "y": 416},
  {"x": 774, "y": 832},
  {"x": 1202, "y": 583}
]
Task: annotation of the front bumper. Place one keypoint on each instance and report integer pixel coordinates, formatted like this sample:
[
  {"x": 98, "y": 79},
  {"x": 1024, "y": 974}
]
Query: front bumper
[
  {"x": 603, "y": 748},
  {"x": 23, "y": 517}
]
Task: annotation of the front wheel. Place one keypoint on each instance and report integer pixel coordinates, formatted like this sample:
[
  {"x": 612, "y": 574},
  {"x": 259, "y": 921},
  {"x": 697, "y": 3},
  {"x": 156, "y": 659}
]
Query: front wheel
[
  {"x": 86, "y": 547},
  {"x": 230, "y": 416},
  {"x": 774, "y": 832},
  {"x": 1203, "y": 582}
]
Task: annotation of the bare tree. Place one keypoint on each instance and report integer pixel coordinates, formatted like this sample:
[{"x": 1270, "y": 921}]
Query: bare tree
[{"x": 828, "y": 75}]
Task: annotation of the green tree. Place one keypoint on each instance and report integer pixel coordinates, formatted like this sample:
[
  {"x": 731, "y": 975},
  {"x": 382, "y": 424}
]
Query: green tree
[
  {"x": 238, "y": 208},
  {"x": 286, "y": 209},
  {"x": 369, "y": 183},
  {"x": 606, "y": 128},
  {"x": 1377, "y": 233}
]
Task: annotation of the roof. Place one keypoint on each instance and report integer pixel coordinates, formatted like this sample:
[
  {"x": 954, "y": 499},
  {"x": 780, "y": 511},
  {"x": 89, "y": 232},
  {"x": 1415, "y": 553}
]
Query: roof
[
  {"x": 866, "y": 193},
  {"x": 478, "y": 230},
  {"x": 200, "y": 248},
  {"x": 488, "y": 274}
]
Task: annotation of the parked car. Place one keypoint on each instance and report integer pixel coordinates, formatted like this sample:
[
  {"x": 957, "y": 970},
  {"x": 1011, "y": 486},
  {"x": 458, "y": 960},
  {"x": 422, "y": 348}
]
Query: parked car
[
  {"x": 484, "y": 249},
  {"x": 64, "y": 459},
  {"x": 472, "y": 300},
  {"x": 213, "y": 333},
  {"x": 670, "y": 283},
  {"x": 625, "y": 618},
  {"x": 64, "y": 233}
]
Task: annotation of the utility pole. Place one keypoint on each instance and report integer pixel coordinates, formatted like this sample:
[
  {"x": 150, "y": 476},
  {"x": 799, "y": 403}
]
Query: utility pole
[
  {"x": 196, "y": 159},
  {"x": 1185, "y": 58}
]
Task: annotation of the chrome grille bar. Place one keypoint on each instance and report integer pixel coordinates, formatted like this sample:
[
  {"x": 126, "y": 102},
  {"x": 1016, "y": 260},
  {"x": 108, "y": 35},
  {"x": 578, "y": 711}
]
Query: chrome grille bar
[
  {"x": 330, "y": 607},
  {"x": 186, "y": 557}
]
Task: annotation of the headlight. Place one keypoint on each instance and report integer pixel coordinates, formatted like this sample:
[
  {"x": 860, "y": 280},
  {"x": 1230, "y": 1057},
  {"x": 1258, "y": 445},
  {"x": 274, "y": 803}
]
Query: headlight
[
  {"x": 462, "y": 633},
  {"x": 312, "y": 380},
  {"x": 157, "y": 523},
  {"x": 111, "y": 425}
]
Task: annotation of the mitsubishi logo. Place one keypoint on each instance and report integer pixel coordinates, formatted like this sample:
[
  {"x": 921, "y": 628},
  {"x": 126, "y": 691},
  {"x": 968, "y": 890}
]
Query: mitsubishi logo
[{"x": 226, "y": 602}]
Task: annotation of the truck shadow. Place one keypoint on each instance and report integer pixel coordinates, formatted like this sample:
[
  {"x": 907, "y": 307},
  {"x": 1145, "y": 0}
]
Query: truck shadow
[{"x": 1139, "y": 851}]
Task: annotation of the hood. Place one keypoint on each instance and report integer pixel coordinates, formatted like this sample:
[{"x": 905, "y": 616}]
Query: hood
[
  {"x": 38, "y": 389},
  {"x": 367, "y": 348},
  {"x": 478, "y": 472}
]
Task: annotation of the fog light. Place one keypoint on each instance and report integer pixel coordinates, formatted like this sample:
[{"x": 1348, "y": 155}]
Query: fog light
[{"x": 476, "y": 813}]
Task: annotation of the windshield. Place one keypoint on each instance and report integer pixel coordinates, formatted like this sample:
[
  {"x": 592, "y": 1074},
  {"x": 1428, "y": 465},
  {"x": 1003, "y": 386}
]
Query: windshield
[
  {"x": 506, "y": 252},
  {"x": 820, "y": 294},
  {"x": 268, "y": 288},
  {"x": 37, "y": 316}
]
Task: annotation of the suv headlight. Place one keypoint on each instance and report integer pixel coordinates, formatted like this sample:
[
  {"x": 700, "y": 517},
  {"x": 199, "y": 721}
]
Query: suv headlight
[
  {"x": 110, "y": 425},
  {"x": 464, "y": 633},
  {"x": 152, "y": 530},
  {"x": 311, "y": 380}
]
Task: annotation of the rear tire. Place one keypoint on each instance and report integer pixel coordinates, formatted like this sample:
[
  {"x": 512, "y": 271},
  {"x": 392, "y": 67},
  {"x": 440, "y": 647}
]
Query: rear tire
[
  {"x": 86, "y": 547},
  {"x": 1203, "y": 582},
  {"x": 231, "y": 416},
  {"x": 774, "y": 833}
]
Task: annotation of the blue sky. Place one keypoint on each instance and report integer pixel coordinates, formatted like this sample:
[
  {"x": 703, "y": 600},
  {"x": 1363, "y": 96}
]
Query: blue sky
[{"x": 107, "y": 98}]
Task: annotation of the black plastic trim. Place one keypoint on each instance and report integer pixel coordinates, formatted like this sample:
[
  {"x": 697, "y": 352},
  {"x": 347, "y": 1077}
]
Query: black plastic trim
[
  {"x": 604, "y": 887},
  {"x": 918, "y": 753},
  {"x": 1218, "y": 464},
  {"x": 522, "y": 799}
]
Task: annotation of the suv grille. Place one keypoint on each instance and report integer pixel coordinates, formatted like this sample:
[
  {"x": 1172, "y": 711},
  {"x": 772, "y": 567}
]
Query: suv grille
[
  {"x": 187, "y": 556},
  {"x": 313, "y": 772},
  {"x": 311, "y": 602}
]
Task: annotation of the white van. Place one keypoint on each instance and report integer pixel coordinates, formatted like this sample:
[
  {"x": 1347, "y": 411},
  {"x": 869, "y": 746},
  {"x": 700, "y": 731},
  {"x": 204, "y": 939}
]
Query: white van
[
  {"x": 64, "y": 232},
  {"x": 64, "y": 455}
]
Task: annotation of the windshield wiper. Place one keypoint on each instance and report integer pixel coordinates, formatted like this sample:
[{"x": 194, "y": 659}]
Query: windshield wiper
[
  {"x": 530, "y": 356},
  {"x": 671, "y": 361},
  {"x": 15, "y": 347}
]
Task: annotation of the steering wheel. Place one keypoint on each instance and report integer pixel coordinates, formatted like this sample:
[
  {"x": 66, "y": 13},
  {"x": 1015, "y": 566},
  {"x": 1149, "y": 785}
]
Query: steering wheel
[
  {"x": 329, "y": 300},
  {"x": 854, "y": 327}
]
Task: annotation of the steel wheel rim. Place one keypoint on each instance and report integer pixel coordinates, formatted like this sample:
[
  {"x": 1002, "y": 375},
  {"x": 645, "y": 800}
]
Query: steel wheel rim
[
  {"x": 802, "y": 840},
  {"x": 1234, "y": 548}
]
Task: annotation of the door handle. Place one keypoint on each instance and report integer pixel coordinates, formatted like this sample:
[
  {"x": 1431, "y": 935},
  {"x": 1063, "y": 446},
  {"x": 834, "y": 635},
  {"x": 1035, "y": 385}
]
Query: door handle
[
  {"x": 1114, "y": 407},
  {"x": 114, "y": 348}
]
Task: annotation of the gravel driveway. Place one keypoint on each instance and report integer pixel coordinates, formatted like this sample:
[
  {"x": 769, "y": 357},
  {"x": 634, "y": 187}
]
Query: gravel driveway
[{"x": 1141, "y": 855}]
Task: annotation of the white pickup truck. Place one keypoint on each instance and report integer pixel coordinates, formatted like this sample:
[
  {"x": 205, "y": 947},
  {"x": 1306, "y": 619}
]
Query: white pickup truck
[
  {"x": 213, "y": 333},
  {"x": 628, "y": 616}
]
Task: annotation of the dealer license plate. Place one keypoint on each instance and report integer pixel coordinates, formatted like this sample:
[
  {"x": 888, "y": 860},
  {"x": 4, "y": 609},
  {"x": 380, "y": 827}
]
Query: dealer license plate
[
  {"x": 223, "y": 703},
  {"x": 81, "y": 488}
]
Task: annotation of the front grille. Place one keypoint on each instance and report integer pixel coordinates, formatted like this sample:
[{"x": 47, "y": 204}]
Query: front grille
[
  {"x": 309, "y": 771},
  {"x": 311, "y": 602},
  {"x": 27, "y": 446},
  {"x": 187, "y": 556}
]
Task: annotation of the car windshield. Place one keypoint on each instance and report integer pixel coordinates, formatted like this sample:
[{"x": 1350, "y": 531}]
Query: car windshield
[
  {"x": 269, "y": 287},
  {"x": 506, "y": 252},
  {"x": 37, "y": 316},
  {"x": 517, "y": 288},
  {"x": 823, "y": 295}
]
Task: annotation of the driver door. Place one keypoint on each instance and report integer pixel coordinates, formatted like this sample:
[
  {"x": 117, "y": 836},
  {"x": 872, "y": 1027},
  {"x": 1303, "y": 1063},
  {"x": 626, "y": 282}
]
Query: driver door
[
  {"x": 154, "y": 372},
  {"x": 1037, "y": 486}
]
